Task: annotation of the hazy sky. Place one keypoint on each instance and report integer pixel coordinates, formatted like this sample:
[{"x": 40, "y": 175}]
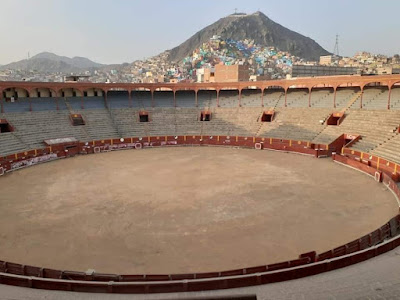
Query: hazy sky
[{"x": 116, "y": 31}]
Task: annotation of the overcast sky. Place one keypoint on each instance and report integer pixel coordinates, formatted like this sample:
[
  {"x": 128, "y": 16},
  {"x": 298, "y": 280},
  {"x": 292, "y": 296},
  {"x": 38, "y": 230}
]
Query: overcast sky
[{"x": 116, "y": 31}]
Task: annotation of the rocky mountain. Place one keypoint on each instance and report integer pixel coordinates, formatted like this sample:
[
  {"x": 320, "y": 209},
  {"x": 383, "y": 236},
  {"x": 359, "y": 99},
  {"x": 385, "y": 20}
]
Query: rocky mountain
[
  {"x": 47, "y": 62},
  {"x": 257, "y": 27}
]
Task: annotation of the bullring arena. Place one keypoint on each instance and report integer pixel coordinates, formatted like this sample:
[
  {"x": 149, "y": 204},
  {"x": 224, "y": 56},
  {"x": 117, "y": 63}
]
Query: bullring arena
[{"x": 160, "y": 189}]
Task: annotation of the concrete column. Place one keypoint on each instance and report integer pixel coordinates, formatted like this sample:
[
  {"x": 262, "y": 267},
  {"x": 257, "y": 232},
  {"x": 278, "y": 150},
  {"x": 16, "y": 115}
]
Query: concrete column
[
  {"x": 240, "y": 98},
  {"x": 361, "y": 97},
  {"x": 152, "y": 98},
  {"x": 217, "y": 98},
  {"x": 30, "y": 101},
  {"x": 174, "y": 98},
  {"x": 390, "y": 93},
  {"x": 195, "y": 98},
  {"x": 309, "y": 97},
  {"x": 57, "y": 104},
  {"x": 82, "y": 102}
]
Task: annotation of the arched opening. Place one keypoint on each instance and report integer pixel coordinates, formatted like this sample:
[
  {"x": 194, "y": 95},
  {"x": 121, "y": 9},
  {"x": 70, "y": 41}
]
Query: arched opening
[
  {"x": 322, "y": 96},
  {"x": 73, "y": 98},
  {"x": 228, "y": 97},
  {"x": 251, "y": 97},
  {"x": 119, "y": 98},
  {"x": 348, "y": 96},
  {"x": 297, "y": 96},
  {"x": 16, "y": 100},
  {"x": 142, "y": 98},
  {"x": 207, "y": 98},
  {"x": 185, "y": 98},
  {"x": 274, "y": 96},
  {"x": 44, "y": 99},
  {"x": 375, "y": 96},
  {"x": 164, "y": 97}
]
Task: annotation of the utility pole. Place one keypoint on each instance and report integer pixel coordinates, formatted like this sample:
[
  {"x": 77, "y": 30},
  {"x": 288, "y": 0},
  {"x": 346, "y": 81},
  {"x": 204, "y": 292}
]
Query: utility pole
[{"x": 336, "y": 49}]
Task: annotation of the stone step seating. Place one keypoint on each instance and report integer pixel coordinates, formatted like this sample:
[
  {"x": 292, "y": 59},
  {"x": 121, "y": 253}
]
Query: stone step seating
[
  {"x": 118, "y": 99},
  {"x": 375, "y": 98},
  {"x": 94, "y": 102},
  {"x": 344, "y": 95},
  {"x": 127, "y": 122},
  {"x": 274, "y": 99},
  {"x": 251, "y": 98},
  {"x": 164, "y": 99},
  {"x": 98, "y": 124},
  {"x": 47, "y": 103},
  {"x": 19, "y": 105},
  {"x": 34, "y": 127},
  {"x": 187, "y": 121},
  {"x": 322, "y": 98},
  {"x": 375, "y": 127},
  {"x": 9, "y": 144},
  {"x": 141, "y": 99},
  {"x": 233, "y": 122},
  {"x": 295, "y": 123},
  {"x": 228, "y": 98},
  {"x": 207, "y": 99},
  {"x": 389, "y": 149},
  {"x": 395, "y": 98},
  {"x": 185, "y": 99},
  {"x": 297, "y": 98}
]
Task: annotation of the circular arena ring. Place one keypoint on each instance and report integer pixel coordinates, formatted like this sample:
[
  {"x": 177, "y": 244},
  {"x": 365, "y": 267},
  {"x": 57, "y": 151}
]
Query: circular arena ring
[{"x": 139, "y": 212}]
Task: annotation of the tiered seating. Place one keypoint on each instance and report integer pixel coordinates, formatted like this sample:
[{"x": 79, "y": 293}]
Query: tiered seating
[
  {"x": 34, "y": 127},
  {"x": 74, "y": 102},
  {"x": 98, "y": 124},
  {"x": 395, "y": 98},
  {"x": 295, "y": 123},
  {"x": 187, "y": 121},
  {"x": 251, "y": 98},
  {"x": 322, "y": 98},
  {"x": 185, "y": 99},
  {"x": 228, "y": 98},
  {"x": 297, "y": 98},
  {"x": 20, "y": 105},
  {"x": 274, "y": 98},
  {"x": 94, "y": 102},
  {"x": 141, "y": 99},
  {"x": 390, "y": 149},
  {"x": 46, "y": 103},
  {"x": 10, "y": 144},
  {"x": 344, "y": 95},
  {"x": 127, "y": 122},
  {"x": 164, "y": 99},
  {"x": 375, "y": 98},
  {"x": 118, "y": 99},
  {"x": 375, "y": 127},
  {"x": 206, "y": 99}
]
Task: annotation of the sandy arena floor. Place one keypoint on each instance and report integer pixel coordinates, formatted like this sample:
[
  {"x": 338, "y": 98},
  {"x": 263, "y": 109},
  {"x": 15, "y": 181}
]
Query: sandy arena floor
[{"x": 178, "y": 210}]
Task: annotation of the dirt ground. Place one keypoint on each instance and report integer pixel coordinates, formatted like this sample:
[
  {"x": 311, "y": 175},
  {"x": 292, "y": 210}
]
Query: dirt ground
[{"x": 178, "y": 210}]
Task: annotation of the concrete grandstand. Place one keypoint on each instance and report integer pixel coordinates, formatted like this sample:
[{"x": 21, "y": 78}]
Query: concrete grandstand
[{"x": 356, "y": 120}]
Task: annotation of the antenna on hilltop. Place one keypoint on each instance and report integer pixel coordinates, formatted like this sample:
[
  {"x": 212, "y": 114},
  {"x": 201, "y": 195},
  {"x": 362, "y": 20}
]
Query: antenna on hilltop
[
  {"x": 235, "y": 11},
  {"x": 336, "y": 49}
]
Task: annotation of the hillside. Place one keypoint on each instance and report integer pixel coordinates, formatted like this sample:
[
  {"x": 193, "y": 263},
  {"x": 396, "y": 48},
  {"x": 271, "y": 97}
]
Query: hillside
[
  {"x": 47, "y": 62},
  {"x": 257, "y": 27}
]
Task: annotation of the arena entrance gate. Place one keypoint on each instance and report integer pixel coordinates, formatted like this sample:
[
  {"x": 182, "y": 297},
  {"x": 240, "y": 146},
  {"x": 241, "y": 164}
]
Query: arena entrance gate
[
  {"x": 268, "y": 116},
  {"x": 77, "y": 120},
  {"x": 205, "y": 116},
  {"x": 335, "y": 119},
  {"x": 5, "y": 126}
]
